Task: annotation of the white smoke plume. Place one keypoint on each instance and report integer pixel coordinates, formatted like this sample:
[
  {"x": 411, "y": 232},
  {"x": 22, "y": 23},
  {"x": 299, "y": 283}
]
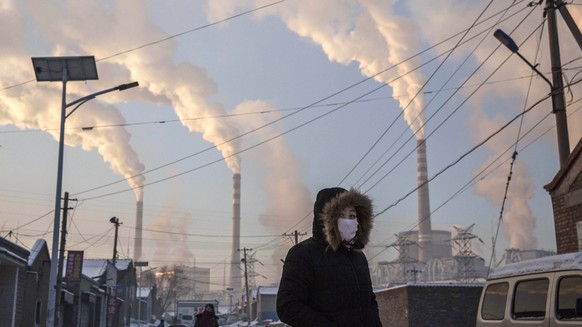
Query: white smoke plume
[
  {"x": 518, "y": 220},
  {"x": 285, "y": 195},
  {"x": 171, "y": 245},
  {"x": 378, "y": 33},
  {"x": 38, "y": 106},
  {"x": 183, "y": 86},
  {"x": 367, "y": 32}
]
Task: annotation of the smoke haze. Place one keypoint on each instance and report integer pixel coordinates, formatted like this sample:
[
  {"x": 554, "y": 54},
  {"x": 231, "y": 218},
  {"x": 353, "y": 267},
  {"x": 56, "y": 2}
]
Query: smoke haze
[
  {"x": 171, "y": 245},
  {"x": 183, "y": 86},
  {"x": 286, "y": 196},
  {"x": 376, "y": 34}
]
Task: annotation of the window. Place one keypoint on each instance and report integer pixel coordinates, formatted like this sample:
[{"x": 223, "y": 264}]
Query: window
[
  {"x": 494, "y": 300},
  {"x": 187, "y": 317},
  {"x": 530, "y": 299},
  {"x": 569, "y": 298}
]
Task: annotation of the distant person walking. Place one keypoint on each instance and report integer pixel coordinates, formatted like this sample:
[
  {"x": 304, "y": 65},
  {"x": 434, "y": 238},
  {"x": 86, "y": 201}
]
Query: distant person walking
[
  {"x": 326, "y": 279},
  {"x": 207, "y": 318}
]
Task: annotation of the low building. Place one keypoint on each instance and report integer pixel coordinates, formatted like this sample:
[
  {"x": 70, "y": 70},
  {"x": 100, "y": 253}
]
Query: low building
[
  {"x": 37, "y": 284},
  {"x": 13, "y": 275},
  {"x": 119, "y": 284},
  {"x": 147, "y": 304}
]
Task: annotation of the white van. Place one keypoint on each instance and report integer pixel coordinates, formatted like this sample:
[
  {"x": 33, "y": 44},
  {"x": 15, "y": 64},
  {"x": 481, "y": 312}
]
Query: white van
[{"x": 537, "y": 292}]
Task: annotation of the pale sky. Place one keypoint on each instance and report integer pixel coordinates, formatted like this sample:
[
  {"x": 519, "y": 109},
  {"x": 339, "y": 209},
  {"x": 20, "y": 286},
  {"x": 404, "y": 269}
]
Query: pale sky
[{"x": 295, "y": 95}]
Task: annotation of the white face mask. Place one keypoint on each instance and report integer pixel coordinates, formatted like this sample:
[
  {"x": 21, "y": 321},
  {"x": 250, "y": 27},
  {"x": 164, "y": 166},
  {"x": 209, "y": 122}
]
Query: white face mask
[{"x": 347, "y": 228}]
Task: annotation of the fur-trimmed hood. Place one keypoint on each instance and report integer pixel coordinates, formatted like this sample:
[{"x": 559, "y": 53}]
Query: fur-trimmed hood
[{"x": 328, "y": 209}]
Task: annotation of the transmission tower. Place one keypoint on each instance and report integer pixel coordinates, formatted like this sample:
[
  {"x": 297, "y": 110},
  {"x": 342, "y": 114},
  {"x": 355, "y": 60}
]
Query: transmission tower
[
  {"x": 465, "y": 255},
  {"x": 405, "y": 262}
]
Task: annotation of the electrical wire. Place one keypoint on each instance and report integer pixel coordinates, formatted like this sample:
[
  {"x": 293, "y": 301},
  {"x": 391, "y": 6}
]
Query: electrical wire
[{"x": 277, "y": 120}]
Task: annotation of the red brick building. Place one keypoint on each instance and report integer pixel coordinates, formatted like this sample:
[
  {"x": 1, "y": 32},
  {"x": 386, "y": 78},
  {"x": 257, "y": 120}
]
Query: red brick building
[{"x": 566, "y": 193}]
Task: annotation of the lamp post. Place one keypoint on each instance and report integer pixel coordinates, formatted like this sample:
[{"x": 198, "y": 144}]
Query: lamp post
[
  {"x": 64, "y": 69},
  {"x": 557, "y": 87}
]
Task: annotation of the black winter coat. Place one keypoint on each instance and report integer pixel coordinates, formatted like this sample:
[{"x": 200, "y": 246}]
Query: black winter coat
[{"x": 325, "y": 283}]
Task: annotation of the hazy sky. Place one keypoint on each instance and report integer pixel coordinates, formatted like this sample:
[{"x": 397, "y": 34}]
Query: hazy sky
[{"x": 295, "y": 95}]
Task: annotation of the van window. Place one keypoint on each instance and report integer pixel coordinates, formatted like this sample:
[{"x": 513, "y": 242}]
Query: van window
[
  {"x": 529, "y": 302},
  {"x": 569, "y": 298},
  {"x": 494, "y": 300}
]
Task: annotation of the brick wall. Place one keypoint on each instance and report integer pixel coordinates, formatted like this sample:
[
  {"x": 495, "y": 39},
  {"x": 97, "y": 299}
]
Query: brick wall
[
  {"x": 566, "y": 193},
  {"x": 425, "y": 305},
  {"x": 565, "y": 224}
]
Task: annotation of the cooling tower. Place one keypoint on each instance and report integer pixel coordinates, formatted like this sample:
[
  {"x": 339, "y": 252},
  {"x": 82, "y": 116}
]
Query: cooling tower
[
  {"x": 138, "y": 231},
  {"x": 235, "y": 275},
  {"x": 424, "y": 226}
]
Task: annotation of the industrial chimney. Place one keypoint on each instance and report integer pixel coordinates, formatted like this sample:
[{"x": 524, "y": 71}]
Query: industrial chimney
[
  {"x": 235, "y": 275},
  {"x": 424, "y": 226},
  {"x": 138, "y": 231}
]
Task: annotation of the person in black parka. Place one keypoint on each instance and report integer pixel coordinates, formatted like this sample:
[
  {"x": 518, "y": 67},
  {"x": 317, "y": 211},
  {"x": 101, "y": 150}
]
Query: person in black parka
[
  {"x": 326, "y": 279},
  {"x": 207, "y": 318}
]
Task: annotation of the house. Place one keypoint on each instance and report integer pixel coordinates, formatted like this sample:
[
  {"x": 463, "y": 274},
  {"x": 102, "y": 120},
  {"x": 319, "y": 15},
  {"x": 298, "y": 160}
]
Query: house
[
  {"x": 118, "y": 284},
  {"x": 147, "y": 304},
  {"x": 566, "y": 193},
  {"x": 37, "y": 285},
  {"x": 85, "y": 282},
  {"x": 13, "y": 275}
]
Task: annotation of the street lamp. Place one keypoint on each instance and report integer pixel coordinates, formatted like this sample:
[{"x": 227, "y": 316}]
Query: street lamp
[
  {"x": 53, "y": 69},
  {"x": 557, "y": 89},
  {"x": 508, "y": 42}
]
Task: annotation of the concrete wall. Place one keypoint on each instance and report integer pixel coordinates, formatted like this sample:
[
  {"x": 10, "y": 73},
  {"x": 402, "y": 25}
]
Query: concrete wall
[{"x": 424, "y": 305}]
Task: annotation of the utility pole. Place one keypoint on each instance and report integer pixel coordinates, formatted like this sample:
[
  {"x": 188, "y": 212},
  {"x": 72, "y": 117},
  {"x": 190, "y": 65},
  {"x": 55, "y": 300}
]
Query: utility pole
[
  {"x": 244, "y": 259},
  {"x": 115, "y": 221},
  {"x": 557, "y": 86},
  {"x": 296, "y": 234},
  {"x": 558, "y": 102},
  {"x": 61, "y": 258}
]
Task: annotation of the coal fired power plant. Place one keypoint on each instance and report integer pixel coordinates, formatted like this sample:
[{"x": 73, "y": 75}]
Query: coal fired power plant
[
  {"x": 235, "y": 274},
  {"x": 424, "y": 224}
]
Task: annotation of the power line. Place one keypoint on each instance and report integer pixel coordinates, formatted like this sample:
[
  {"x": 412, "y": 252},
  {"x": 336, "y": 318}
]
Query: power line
[{"x": 173, "y": 36}]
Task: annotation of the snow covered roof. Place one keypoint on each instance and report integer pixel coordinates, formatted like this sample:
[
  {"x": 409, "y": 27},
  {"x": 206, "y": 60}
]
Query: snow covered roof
[
  {"x": 562, "y": 262},
  {"x": 443, "y": 284},
  {"x": 122, "y": 264},
  {"x": 96, "y": 267},
  {"x": 38, "y": 246},
  {"x": 268, "y": 290},
  {"x": 143, "y": 292},
  {"x": 13, "y": 253}
]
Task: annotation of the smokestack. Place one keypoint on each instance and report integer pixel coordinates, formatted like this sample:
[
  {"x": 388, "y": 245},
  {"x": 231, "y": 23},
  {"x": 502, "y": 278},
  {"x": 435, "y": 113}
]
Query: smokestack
[
  {"x": 424, "y": 226},
  {"x": 235, "y": 276},
  {"x": 138, "y": 231}
]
